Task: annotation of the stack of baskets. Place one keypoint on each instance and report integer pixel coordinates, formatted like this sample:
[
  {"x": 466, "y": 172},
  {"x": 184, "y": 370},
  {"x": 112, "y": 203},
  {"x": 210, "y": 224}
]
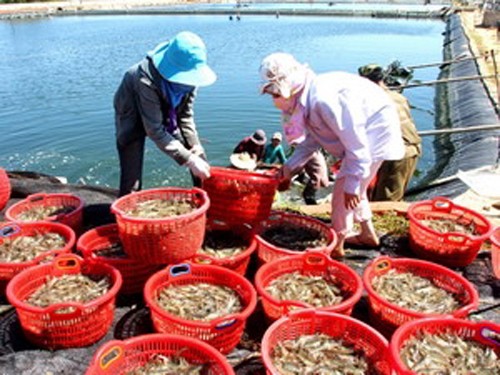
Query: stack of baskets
[{"x": 5, "y": 188}]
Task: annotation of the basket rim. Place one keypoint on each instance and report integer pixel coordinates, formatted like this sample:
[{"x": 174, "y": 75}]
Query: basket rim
[
  {"x": 250, "y": 249},
  {"x": 109, "y": 230},
  {"x": 242, "y": 315},
  {"x": 367, "y": 282},
  {"x": 242, "y": 174},
  {"x": 347, "y": 303},
  {"x": 44, "y": 196},
  {"x": 193, "y": 214}
]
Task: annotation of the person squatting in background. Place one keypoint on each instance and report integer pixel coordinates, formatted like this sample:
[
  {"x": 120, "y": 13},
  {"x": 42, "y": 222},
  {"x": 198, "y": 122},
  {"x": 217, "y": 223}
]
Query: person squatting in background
[
  {"x": 394, "y": 176},
  {"x": 352, "y": 119},
  {"x": 273, "y": 152},
  {"x": 155, "y": 99},
  {"x": 252, "y": 145}
]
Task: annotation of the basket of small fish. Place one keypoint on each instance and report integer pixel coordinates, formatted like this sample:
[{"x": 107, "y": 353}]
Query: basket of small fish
[
  {"x": 319, "y": 342},
  {"x": 402, "y": 289},
  {"x": 103, "y": 244},
  {"x": 162, "y": 226},
  {"x": 284, "y": 234},
  {"x": 67, "y": 303},
  {"x": 446, "y": 233},
  {"x": 495, "y": 252},
  {"x": 446, "y": 346},
  {"x": 310, "y": 280},
  {"x": 238, "y": 196},
  {"x": 23, "y": 245},
  {"x": 206, "y": 302},
  {"x": 5, "y": 188},
  {"x": 158, "y": 354},
  {"x": 226, "y": 246},
  {"x": 63, "y": 208}
]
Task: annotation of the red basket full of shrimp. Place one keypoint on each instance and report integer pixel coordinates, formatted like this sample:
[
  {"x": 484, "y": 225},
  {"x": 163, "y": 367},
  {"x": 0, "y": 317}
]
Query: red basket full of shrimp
[
  {"x": 401, "y": 290},
  {"x": 67, "y": 303},
  {"x": 319, "y": 342},
  {"x": 238, "y": 197},
  {"x": 495, "y": 252},
  {"x": 446, "y": 346},
  {"x": 5, "y": 188},
  {"x": 227, "y": 246},
  {"x": 284, "y": 234},
  {"x": 64, "y": 208},
  {"x": 446, "y": 233},
  {"x": 162, "y": 226},
  {"x": 310, "y": 280},
  {"x": 23, "y": 245},
  {"x": 206, "y": 302},
  {"x": 103, "y": 244},
  {"x": 158, "y": 354}
]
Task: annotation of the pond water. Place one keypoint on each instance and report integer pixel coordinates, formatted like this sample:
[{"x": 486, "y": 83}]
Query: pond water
[{"x": 59, "y": 76}]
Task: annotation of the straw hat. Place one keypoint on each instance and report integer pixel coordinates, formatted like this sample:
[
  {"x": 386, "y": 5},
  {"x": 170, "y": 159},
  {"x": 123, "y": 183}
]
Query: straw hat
[{"x": 243, "y": 161}]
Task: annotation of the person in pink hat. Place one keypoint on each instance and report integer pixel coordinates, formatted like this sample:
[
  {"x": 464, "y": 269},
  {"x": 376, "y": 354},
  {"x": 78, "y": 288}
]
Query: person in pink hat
[{"x": 155, "y": 99}]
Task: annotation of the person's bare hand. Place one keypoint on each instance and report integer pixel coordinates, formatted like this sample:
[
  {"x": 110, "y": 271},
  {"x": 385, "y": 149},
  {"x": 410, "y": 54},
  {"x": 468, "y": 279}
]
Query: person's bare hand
[{"x": 351, "y": 201}]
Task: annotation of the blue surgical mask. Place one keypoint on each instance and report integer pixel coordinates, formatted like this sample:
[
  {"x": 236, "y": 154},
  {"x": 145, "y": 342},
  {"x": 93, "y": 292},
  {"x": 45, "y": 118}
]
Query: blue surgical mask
[{"x": 176, "y": 91}]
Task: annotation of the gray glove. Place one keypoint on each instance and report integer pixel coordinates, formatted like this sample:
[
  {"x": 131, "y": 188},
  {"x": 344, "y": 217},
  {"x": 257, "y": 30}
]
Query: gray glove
[{"x": 199, "y": 167}]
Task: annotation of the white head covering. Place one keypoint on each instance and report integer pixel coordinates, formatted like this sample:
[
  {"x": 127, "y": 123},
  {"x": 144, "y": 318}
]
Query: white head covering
[{"x": 283, "y": 75}]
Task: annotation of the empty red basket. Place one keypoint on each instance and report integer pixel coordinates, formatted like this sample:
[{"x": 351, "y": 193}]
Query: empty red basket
[
  {"x": 134, "y": 272},
  {"x": 74, "y": 219},
  {"x": 121, "y": 357},
  {"x": 340, "y": 327},
  {"x": 10, "y": 231},
  {"x": 238, "y": 197},
  {"x": 451, "y": 249},
  {"x": 309, "y": 264},
  {"x": 223, "y": 333},
  {"x": 166, "y": 240},
  {"x": 268, "y": 252},
  {"x": 49, "y": 327},
  {"x": 5, "y": 188},
  {"x": 495, "y": 252},
  {"x": 386, "y": 316},
  {"x": 485, "y": 333}
]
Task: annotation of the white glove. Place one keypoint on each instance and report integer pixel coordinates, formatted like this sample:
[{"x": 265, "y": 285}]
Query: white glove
[
  {"x": 197, "y": 150},
  {"x": 199, "y": 167}
]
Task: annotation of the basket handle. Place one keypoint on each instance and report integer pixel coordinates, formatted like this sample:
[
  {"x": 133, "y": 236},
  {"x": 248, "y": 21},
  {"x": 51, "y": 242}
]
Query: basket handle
[
  {"x": 112, "y": 351},
  {"x": 442, "y": 204},
  {"x": 225, "y": 321},
  {"x": 202, "y": 259},
  {"x": 179, "y": 269},
  {"x": 456, "y": 238},
  {"x": 489, "y": 332},
  {"x": 314, "y": 261},
  {"x": 67, "y": 262},
  {"x": 288, "y": 304},
  {"x": 52, "y": 310},
  {"x": 382, "y": 264},
  {"x": 36, "y": 197},
  {"x": 9, "y": 230}
]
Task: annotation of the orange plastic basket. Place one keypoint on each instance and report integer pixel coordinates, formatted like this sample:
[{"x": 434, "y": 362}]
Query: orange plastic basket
[
  {"x": 120, "y": 357},
  {"x": 340, "y": 327},
  {"x": 5, "y": 188},
  {"x": 167, "y": 240},
  {"x": 10, "y": 231},
  {"x": 484, "y": 332},
  {"x": 49, "y": 327},
  {"x": 495, "y": 252},
  {"x": 451, "y": 249},
  {"x": 238, "y": 197},
  {"x": 134, "y": 273},
  {"x": 223, "y": 333},
  {"x": 268, "y": 252},
  {"x": 73, "y": 219},
  {"x": 386, "y": 316},
  {"x": 309, "y": 264}
]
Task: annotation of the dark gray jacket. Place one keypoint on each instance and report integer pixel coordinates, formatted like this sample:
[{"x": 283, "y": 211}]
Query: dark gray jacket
[{"x": 142, "y": 110}]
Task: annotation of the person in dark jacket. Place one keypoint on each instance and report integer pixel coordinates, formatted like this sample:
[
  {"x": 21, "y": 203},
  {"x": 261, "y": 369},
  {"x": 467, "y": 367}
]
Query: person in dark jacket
[
  {"x": 155, "y": 100},
  {"x": 253, "y": 145}
]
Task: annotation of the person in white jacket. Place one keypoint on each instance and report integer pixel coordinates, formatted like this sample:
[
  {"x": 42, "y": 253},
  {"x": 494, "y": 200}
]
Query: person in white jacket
[{"x": 351, "y": 118}]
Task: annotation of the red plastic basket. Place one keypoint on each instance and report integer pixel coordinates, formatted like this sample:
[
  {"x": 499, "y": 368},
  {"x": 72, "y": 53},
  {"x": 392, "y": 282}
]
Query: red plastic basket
[
  {"x": 238, "y": 197},
  {"x": 10, "y": 231},
  {"x": 481, "y": 332},
  {"x": 120, "y": 357},
  {"x": 268, "y": 252},
  {"x": 223, "y": 333},
  {"x": 162, "y": 241},
  {"x": 5, "y": 188},
  {"x": 73, "y": 219},
  {"x": 134, "y": 273},
  {"x": 310, "y": 264},
  {"x": 451, "y": 249},
  {"x": 386, "y": 316},
  {"x": 238, "y": 263},
  {"x": 49, "y": 327},
  {"x": 338, "y": 326},
  {"x": 495, "y": 252}
]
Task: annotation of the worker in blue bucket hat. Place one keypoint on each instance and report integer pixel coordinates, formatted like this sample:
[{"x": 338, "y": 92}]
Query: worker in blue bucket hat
[{"x": 155, "y": 99}]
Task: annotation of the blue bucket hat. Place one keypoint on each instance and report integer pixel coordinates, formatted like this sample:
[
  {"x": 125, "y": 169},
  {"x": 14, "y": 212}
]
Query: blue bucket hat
[{"x": 184, "y": 60}]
